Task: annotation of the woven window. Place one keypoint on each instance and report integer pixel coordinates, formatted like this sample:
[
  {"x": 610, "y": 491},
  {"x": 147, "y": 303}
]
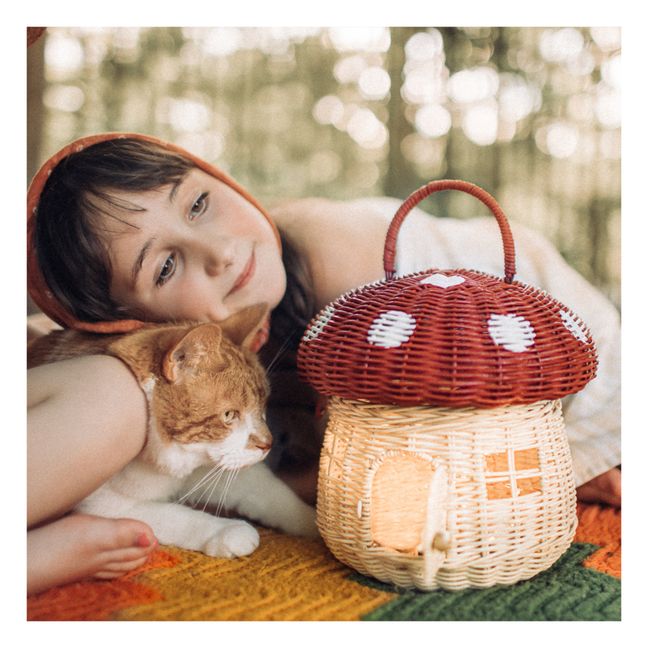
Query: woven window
[{"x": 512, "y": 473}]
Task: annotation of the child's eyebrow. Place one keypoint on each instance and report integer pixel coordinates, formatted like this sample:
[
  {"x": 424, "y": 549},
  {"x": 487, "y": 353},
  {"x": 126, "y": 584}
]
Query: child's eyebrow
[
  {"x": 174, "y": 188},
  {"x": 139, "y": 262}
]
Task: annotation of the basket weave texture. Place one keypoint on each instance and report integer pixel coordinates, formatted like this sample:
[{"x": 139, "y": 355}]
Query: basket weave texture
[
  {"x": 448, "y": 337},
  {"x": 445, "y": 461},
  {"x": 502, "y": 509}
]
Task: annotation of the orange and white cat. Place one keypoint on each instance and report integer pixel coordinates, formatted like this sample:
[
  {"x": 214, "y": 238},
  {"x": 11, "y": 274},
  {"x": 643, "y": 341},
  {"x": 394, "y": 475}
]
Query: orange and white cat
[{"x": 206, "y": 394}]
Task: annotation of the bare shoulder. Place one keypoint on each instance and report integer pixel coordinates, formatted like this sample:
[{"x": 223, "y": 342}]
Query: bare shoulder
[
  {"x": 302, "y": 217},
  {"x": 98, "y": 379},
  {"x": 341, "y": 241}
]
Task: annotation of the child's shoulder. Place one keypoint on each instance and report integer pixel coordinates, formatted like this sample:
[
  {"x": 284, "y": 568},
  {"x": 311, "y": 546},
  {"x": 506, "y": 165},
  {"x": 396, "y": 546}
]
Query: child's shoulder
[
  {"x": 305, "y": 212},
  {"x": 322, "y": 225},
  {"x": 341, "y": 241}
]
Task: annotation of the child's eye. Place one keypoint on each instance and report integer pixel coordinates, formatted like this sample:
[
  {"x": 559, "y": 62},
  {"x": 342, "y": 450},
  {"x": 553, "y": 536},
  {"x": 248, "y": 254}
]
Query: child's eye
[
  {"x": 167, "y": 271},
  {"x": 199, "y": 207}
]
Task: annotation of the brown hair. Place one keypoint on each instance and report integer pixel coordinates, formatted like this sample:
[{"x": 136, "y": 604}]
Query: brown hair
[
  {"x": 71, "y": 213},
  {"x": 293, "y": 405},
  {"x": 297, "y": 307},
  {"x": 64, "y": 236},
  {"x": 75, "y": 199}
]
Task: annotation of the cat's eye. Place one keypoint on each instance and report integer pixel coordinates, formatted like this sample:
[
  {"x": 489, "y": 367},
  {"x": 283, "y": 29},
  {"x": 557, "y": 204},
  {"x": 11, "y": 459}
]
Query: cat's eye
[{"x": 229, "y": 416}]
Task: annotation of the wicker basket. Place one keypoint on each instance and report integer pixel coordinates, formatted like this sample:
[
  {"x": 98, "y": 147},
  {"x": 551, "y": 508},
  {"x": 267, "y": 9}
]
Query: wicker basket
[
  {"x": 445, "y": 460},
  {"x": 452, "y": 498}
]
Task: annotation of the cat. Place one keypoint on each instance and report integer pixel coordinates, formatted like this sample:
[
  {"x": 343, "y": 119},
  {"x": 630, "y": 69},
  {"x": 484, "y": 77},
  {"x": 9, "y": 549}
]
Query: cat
[{"x": 206, "y": 394}]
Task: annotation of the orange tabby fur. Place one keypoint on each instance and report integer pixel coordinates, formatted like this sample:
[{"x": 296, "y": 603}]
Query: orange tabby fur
[
  {"x": 202, "y": 372},
  {"x": 206, "y": 394}
]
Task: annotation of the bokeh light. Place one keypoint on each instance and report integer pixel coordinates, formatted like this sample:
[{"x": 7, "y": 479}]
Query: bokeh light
[
  {"x": 424, "y": 46},
  {"x": 608, "y": 39},
  {"x": 366, "y": 129},
  {"x": 559, "y": 139},
  {"x": 558, "y": 45},
  {"x": 329, "y": 110},
  {"x": 433, "y": 120},
  {"x": 374, "y": 83},
  {"x": 480, "y": 123},
  {"x": 365, "y": 39},
  {"x": 477, "y": 84},
  {"x": 68, "y": 98},
  {"x": 63, "y": 55},
  {"x": 532, "y": 114}
]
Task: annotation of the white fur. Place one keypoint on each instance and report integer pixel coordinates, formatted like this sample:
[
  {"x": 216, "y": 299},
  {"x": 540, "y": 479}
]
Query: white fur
[{"x": 148, "y": 488}]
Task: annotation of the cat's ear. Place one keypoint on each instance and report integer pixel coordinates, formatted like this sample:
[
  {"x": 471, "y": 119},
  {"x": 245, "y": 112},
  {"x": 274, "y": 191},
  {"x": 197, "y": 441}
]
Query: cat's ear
[
  {"x": 247, "y": 326},
  {"x": 187, "y": 353}
]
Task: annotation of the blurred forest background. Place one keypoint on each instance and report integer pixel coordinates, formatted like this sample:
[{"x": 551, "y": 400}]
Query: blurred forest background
[{"x": 533, "y": 115}]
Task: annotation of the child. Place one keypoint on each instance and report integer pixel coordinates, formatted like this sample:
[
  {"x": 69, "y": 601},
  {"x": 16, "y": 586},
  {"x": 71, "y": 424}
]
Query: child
[{"x": 126, "y": 229}]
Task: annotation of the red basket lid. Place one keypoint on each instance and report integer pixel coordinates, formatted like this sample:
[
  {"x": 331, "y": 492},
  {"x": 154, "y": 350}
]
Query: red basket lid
[{"x": 452, "y": 338}]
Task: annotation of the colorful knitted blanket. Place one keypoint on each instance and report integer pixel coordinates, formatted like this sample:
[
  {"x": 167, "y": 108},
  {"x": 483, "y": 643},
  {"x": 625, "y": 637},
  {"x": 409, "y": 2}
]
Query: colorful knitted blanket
[{"x": 291, "y": 579}]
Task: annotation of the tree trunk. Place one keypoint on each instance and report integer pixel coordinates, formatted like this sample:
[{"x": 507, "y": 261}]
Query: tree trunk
[
  {"x": 397, "y": 183},
  {"x": 35, "y": 116},
  {"x": 35, "y": 112}
]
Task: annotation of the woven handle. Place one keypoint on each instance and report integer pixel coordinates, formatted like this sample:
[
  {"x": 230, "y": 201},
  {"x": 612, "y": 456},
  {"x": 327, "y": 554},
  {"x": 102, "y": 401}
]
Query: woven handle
[{"x": 389, "y": 257}]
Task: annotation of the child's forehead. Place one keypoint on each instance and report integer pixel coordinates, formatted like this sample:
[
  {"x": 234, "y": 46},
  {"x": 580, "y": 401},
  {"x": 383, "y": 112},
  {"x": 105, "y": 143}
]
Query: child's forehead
[
  {"x": 129, "y": 207},
  {"x": 173, "y": 189}
]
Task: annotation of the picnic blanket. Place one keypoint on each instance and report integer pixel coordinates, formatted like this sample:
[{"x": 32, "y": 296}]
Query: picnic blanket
[{"x": 294, "y": 579}]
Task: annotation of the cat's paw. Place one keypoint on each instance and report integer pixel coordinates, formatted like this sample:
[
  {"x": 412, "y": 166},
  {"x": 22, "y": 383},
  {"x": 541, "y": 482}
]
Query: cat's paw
[{"x": 236, "y": 539}]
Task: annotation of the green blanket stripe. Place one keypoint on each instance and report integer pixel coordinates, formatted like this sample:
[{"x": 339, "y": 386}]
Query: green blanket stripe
[{"x": 565, "y": 592}]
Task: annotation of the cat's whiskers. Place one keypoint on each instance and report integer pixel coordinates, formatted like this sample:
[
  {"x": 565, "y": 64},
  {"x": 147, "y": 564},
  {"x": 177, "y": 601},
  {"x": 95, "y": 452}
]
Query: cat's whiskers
[
  {"x": 182, "y": 498},
  {"x": 228, "y": 483},
  {"x": 278, "y": 355},
  {"x": 208, "y": 491},
  {"x": 213, "y": 473}
]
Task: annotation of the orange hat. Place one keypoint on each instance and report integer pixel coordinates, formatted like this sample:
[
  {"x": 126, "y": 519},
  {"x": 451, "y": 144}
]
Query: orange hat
[{"x": 36, "y": 282}]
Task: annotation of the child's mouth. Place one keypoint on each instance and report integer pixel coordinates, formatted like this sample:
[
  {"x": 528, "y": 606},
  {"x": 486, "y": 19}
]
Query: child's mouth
[{"x": 246, "y": 274}]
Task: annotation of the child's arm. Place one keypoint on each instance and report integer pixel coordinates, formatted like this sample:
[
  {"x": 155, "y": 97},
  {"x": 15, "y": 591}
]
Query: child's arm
[
  {"x": 86, "y": 419},
  {"x": 343, "y": 244},
  {"x": 593, "y": 415}
]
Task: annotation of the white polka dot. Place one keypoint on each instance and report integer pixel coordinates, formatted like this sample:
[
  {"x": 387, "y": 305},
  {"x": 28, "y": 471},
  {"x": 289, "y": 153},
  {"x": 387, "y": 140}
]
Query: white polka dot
[
  {"x": 442, "y": 281},
  {"x": 512, "y": 332},
  {"x": 573, "y": 326},
  {"x": 318, "y": 325},
  {"x": 391, "y": 329}
]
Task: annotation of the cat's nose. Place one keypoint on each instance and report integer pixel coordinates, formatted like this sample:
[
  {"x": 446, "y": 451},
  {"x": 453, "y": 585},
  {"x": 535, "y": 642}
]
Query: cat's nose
[
  {"x": 261, "y": 441},
  {"x": 263, "y": 445}
]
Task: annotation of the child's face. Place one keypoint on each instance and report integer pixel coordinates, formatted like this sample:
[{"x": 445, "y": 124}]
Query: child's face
[{"x": 198, "y": 251}]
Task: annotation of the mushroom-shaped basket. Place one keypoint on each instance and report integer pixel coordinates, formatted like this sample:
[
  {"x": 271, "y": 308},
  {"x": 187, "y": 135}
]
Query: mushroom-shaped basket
[{"x": 445, "y": 461}]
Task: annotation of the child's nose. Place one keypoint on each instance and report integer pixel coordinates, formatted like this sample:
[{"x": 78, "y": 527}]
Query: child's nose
[
  {"x": 215, "y": 267},
  {"x": 218, "y": 259}
]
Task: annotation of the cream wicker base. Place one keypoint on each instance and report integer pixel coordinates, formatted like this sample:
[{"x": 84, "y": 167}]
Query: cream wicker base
[{"x": 446, "y": 498}]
